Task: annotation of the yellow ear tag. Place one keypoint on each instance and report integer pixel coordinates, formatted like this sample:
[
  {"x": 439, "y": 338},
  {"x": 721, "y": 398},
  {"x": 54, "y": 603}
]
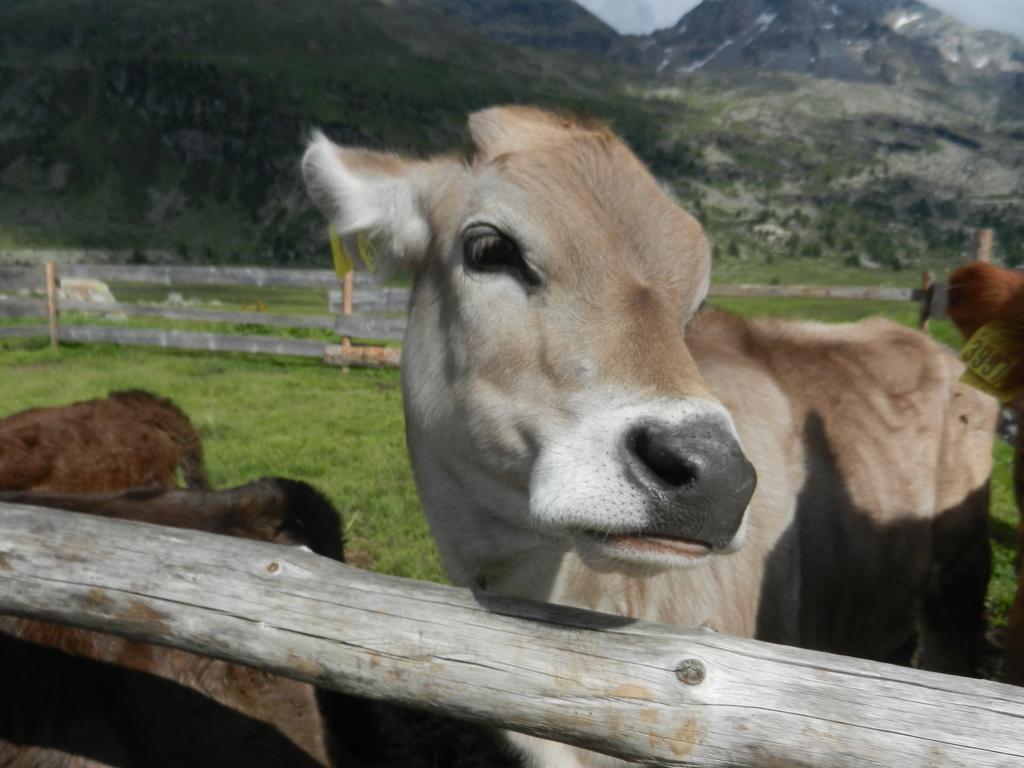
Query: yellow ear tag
[
  {"x": 989, "y": 355},
  {"x": 342, "y": 262},
  {"x": 367, "y": 252}
]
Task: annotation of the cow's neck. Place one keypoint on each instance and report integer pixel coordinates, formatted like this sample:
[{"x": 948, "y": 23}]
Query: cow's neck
[{"x": 479, "y": 546}]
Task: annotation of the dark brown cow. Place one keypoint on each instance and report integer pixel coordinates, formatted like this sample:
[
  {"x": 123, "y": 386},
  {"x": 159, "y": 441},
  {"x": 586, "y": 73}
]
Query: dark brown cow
[
  {"x": 73, "y": 697},
  {"x": 979, "y": 294},
  {"x": 132, "y": 438}
]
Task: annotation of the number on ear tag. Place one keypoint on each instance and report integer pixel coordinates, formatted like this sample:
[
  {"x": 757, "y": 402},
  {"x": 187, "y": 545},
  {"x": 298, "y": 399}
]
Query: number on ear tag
[{"x": 990, "y": 354}]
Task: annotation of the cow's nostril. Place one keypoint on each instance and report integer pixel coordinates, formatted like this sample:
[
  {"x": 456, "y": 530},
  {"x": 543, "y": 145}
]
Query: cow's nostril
[{"x": 659, "y": 450}]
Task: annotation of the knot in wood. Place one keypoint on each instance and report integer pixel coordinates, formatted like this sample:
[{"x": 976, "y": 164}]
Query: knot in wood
[
  {"x": 691, "y": 671},
  {"x": 273, "y": 568}
]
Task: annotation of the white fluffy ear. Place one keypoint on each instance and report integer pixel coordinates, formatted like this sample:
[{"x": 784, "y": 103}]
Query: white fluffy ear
[{"x": 363, "y": 191}]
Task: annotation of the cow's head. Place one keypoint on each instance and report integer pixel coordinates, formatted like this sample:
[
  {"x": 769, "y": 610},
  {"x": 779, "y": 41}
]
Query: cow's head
[{"x": 550, "y": 398}]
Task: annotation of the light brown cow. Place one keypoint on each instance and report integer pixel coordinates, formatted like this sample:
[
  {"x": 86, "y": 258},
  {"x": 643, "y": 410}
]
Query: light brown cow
[{"x": 575, "y": 430}]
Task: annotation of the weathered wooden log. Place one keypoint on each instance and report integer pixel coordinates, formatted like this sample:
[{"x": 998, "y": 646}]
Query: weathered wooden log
[
  {"x": 661, "y": 694},
  {"x": 349, "y": 355}
]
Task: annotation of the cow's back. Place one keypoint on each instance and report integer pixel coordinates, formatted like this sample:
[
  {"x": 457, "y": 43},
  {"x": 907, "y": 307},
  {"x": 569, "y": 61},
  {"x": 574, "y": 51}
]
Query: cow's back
[
  {"x": 890, "y": 460},
  {"x": 129, "y": 439}
]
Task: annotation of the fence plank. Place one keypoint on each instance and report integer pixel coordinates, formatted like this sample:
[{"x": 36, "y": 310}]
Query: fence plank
[
  {"x": 214, "y": 342},
  {"x": 209, "y": 275},
  {"x": 22, "y": 308},
  {"x": 816, "y": 292},
  {"x": 372, "y": 299},
  {"x": 385, "y": 328},
  {"x": 322, "y": 278},
  {"x": 193, "y": 314},
  {"x": 349, "y": 356},
  {"x": 23, "y": 331},
  {"x": 940, "y": 301},
  {"x": 22, "y": 278},
  {"x": 599, "y": 681}
]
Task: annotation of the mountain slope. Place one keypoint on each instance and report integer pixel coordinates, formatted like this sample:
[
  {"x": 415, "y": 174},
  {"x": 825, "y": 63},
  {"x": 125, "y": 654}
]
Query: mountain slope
[
  {"x": 178, "y": 127},
  {"x": 890, "y": 41}
]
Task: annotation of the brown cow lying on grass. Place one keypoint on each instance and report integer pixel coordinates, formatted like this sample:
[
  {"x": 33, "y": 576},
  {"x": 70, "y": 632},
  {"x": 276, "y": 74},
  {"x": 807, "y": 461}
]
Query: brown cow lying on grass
[
  {"x": 979, "y": 294},
  {"x": 132, "y": 438}
]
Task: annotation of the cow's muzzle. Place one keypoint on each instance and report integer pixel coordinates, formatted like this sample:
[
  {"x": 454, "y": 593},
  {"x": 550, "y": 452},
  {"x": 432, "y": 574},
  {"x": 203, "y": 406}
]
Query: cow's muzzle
[{"x": 696, "y": 478}]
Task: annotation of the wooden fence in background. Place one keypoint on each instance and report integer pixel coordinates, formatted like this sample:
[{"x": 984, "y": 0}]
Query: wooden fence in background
[
  {"x": 655, "y": 693},
  {"x": 377, "y": 312},
  {"x": 367, "y": 320}
]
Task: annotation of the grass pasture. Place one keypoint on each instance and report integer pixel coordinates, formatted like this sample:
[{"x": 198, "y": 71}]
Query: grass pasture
[
  {"x": 260, "y": 415},
  {"x": 343, "y": 432}
]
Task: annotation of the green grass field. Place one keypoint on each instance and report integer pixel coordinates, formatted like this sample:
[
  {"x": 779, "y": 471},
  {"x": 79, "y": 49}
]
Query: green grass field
[
  {"x": 260, "y": 415},
  {"x": 343, "y": 432}
]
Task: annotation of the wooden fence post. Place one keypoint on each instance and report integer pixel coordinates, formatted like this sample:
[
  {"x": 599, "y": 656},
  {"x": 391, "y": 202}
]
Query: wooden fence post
[
  {"x": 51, "y": 303},
  {"x": 984, "y": 245},
  {"x": 927, "y": 294},
  {"x": 347, "y": 283},
  {"x": 346, "y": 293}
]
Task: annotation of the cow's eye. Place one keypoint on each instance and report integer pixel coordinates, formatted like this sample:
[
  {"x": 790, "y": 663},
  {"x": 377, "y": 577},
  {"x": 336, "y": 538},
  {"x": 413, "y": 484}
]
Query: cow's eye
[{"x": 485, "y": 249}]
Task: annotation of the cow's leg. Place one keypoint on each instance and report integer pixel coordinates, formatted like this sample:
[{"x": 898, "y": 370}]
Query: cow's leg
[
  {"x": 952, "y": 619},
  {"x": 1013, "y": 672},
  {"x": 1014, "y": 669}
]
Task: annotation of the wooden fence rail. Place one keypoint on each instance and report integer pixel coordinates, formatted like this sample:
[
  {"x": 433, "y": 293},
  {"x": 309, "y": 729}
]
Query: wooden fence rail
[
  {"x": 33, "y": 277},
  {"x": 211, "y": 342},
  {"x": 848, "y": 292},
  {"x": 641, "y": 691},
  {"x": 23, "y": 331},
  {"x": 372, "y": 299},
  {"x": 379, "y": 311}
]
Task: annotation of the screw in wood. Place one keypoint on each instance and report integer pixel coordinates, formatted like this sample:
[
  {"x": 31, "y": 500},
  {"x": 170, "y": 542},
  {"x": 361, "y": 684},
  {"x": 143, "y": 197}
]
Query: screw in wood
[{"x": 691, "y": 671}]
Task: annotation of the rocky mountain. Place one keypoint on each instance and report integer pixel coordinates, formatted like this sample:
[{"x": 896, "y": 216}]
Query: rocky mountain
[
  {"x": 177, "y": 127},
  {"x": 889, "y": 41}
]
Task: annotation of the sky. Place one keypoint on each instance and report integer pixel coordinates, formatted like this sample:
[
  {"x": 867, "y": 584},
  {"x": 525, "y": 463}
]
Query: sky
[{"x": 638, "y": 16}]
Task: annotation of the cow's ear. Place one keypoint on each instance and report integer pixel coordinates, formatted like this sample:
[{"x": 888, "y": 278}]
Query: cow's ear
[{"x": 373, "y": 192}]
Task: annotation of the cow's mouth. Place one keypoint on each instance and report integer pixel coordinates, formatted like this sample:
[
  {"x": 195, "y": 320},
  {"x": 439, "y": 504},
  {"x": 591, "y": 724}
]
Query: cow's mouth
[{"x": 650, "y": 544}]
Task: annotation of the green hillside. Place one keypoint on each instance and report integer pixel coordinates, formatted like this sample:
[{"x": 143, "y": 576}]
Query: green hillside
[
  {"x": 173, "y": 130},
  {"x": 179, "y": 126}
]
